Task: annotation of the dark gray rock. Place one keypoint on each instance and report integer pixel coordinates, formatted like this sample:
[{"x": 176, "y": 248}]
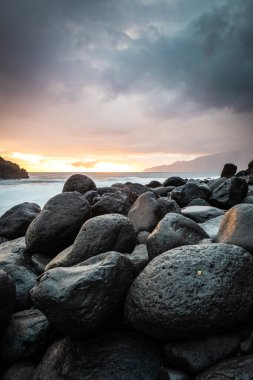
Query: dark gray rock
[
  {"x": 229, "y": 193},
  {"x": 172, "y": 374},
  {"x": 248, "y": 200},
  {"x": 211, "y": 227},
  {"x": 167, "y": 205},
  {"x": 91, "y": 195},
  {"x": 40, "y": 261},
  {"x": 154, "y": 184},
  {"x": 193, "y": 356},
  {"x": 7, "y": 297},
  {"x": 111, "y": 232},
  {"x": 142, "y": 237},
  {"x": 214, "y": 183},
  {"x": 192, "y": 291},
  {"x": 22, "y": 370},
  {"x": 246, "y": 346},
  {"x": 24, "y": 280},
  {"x": 135, "y": 190},
  {"x": 163, "y": 191},
  {"x": 229, "y": 170},
  {"x": 237, "y": 227},
  {"x": 113, "y": 356},
  {"x": 145, "y": 213},
  {"x": 198, "y": 202},
  {"x": 57, "y": 225},
  {"x": 107, "y": 190},
  {"x": 83, "y": 300},
  {"x": 174, "y": 181},
  {"x": 15, "y": 252},
  {"x": 112, "y": 203},
  {"x": 14, "y": 223},
  {"x": 186, "y": 193},
  {"x": 27, "y": 334},
  {"x": 239, "y": 368},
  {"x": 173, "y": 231},
  {"x": 80, "y": 183},
  {"x": 139, "y": 258},
  {"x": 201, "y": 214}
]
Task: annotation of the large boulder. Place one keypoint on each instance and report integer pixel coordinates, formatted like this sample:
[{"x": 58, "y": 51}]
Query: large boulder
[
  {"x": 238, "y": 368},
  {"x": 111, "y": 232},
  {"x": 229, "y": 193},
  {"x": 80, "y": 183},
  {"x": 58, "y": 223},
  {"x": 112, "y": 203},
  {"x": 113, "y": 356},
  {"x": 145, "y": 212},
  {"x": 192, "y": 291},
  {"x": 174, "y": 181},
  {"x": 15, "y": 252},
  {"x": 237, "y": 227},
  {"x": 83, "y": 300},
  {"x": 186, "y": 193},
  {"x": 21, "y": 370},
  {"x": 27, "y": 334},
  {"x": 173, "y": 231},
  {"x": 229, "y": 170},
  {"x": 7, "y": 297},
  {"x": 14, "y": 223},
  {"x": 134, "y": 190},
  {"x": 201, "y": 214},
  {"x": 193, "y": 356},
  {"x": 24, "y": 280}
]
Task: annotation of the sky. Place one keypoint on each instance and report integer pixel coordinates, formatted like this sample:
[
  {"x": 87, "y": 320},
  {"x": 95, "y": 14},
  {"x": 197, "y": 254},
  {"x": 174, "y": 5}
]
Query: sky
[{"x": 122, "y": 85}]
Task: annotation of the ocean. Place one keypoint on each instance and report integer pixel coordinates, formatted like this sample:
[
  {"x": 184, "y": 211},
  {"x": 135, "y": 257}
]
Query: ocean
[{"x": 42, "y": 186}]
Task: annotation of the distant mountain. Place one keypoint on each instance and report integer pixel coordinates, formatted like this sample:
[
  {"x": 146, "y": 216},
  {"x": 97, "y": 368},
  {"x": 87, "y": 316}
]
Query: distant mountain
[
  {"x": 9, "y": 170},
  {"x": 212, "y": 163}
]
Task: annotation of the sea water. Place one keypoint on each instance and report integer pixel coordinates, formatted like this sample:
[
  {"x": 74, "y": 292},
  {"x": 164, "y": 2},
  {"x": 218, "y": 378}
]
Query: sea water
[{"x": 40, "y": 187}]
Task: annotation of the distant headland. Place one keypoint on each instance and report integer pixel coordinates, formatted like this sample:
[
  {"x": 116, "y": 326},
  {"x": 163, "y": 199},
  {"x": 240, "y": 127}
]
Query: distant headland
[{"x": 9, "y": 170}]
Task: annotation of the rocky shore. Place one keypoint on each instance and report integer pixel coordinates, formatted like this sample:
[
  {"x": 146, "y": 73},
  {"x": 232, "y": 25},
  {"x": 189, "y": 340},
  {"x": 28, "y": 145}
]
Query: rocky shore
[
  {"x": 130, "y": 282},
  {"x": 9, "y": 170}
]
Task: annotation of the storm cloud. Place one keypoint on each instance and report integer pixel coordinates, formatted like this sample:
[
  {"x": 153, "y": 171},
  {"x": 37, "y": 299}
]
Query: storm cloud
[{"x": 123, "y": 70}]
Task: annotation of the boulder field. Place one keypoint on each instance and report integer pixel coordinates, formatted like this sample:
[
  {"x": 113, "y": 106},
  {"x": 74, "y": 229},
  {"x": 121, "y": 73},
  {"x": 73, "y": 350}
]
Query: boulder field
[{"x": 130, "y": 282}]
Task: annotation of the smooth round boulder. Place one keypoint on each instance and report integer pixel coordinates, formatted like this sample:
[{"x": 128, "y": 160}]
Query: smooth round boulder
[
  {"x": 192, "y": 291},
  {"x": 229, "y": 193},
  {"x": 15, "y": 252},
  {"x": 201, "y": 214},
  {"x": 80, "y": 183},
  {"x": 24, "y": 280},
  {"x": 173, "y": 231},
  {"x": 112, "y": 356},
  {"x": 174, "y": 181},
  {"x": 237, "y": 368},
  {"x": 7, "y": 297},
  {"x": 229, "y": 170},
  {"x": 212, "y": 227},
  {"x": 103, "y": 233},
  {"x": 84, "y": 300},
  {"x": 57, "y": 225},
  {"x": 112, "y": 203},
  {"x": 27, "y": 334},
  {"x": 186, "y": 193},
  {"x": 237, "y": 227},
  {"x": 154, "y": 184},
  {"x": 14, "y": 223}
]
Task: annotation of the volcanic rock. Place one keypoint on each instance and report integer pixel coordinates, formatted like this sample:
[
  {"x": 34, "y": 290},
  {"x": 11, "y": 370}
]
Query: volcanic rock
[{"x": 80, "y": 183}]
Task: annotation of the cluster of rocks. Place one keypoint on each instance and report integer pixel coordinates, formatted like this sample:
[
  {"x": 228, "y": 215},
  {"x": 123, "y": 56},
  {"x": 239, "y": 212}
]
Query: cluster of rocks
[
  {"x": 129, "y": 282},
  {"x": 9, "y": 170}
]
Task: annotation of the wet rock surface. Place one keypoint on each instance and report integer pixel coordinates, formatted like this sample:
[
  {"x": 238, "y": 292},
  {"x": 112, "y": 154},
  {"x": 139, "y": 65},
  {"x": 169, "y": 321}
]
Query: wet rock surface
[
  {"x": 58, "y": 223},
  {"x": 14, "y": 223},
  {"x": 91, "y": 295},
  {"x": 111, "y": 232},
  {"x": 201, "y": 214},
  {"x": 215, "y": 292},
  {"x": 113, "y": 356},
  {"x": 173, "y": 231}
]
